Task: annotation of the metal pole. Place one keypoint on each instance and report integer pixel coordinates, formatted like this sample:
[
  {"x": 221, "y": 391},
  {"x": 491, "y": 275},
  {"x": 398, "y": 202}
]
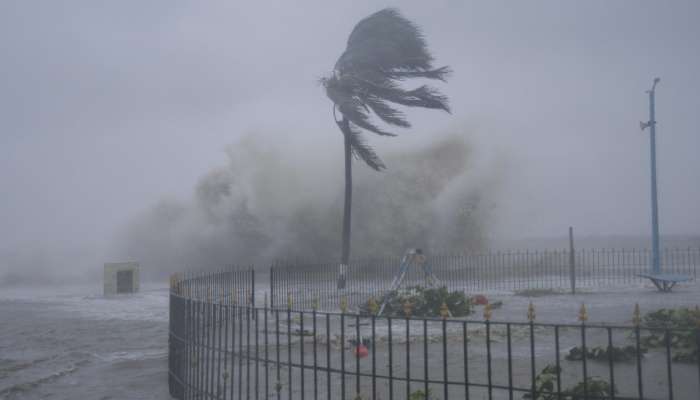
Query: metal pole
[
  {"x": 655, "y": 263},
  {"x": 572, "y": 261}
]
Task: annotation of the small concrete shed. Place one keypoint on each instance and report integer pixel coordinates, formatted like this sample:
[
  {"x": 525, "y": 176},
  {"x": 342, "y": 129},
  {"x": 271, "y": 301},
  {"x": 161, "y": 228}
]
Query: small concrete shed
[{"x": 121, "y": 278}]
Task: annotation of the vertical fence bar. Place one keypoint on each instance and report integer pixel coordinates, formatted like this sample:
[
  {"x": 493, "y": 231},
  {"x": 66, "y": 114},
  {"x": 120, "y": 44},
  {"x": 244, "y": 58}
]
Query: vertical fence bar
[
  {"x": 248, "y": 318},
  {"x": 240, "y": 351},
  {"x": 342, "y": 354},
  {"x": 218, "y": 351},
  {"x": 234, "y": 325},
  {"x": 302, "y": 367},
  {"x": 584, "y": 350},
  {"x": 533, "y": 371},
  {"x": 357, "y": 354},
  {"x": 226, "y": 371},
  {"x": 558, "y": 360},
  {"x": 408, "y": 355},
  {"x": 640, "y": 387},
  {"x": 444, "y": 359},
  {"x": 465, "y": 353},
  {"x": 425, "y": 357},
  {"x": 489, "y": 371},
  {"x": 278, "y": 384},
  {"x": 190, "y": 337},
  {"x": 289, "y": 352},
  {"x": 697, "y": 346},
  {"x": 374, "y": 357},
  {"x": 267, "y": 358},
  {"x": 313, "y": 316},
  {"x": 510, "y": 361},
  {"x": 667, "y": 336},
  {"x": 391, "y": 357},
  {"x": 209, "y": 374},
  {"x": 611, "y": 365},
  {"x": 572, "y": 260},
  {"x": 257, "y": 353},
  {"x": 328, "y": 356}
]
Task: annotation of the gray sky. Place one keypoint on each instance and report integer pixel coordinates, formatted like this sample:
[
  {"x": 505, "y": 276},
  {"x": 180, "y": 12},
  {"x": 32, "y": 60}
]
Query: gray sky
[{"x": 107, "y": 107}]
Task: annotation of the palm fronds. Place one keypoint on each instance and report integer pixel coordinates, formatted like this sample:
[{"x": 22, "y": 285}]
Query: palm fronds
[
  {"x": 360, "y": 149},
  {"x": 383, "y": 50}
]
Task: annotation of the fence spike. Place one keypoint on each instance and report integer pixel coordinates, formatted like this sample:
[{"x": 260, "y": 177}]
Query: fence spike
[
  {"x": 444, "y": 310},
  {"x": 373, "y": 306},
  {"x": 531, "y": 312},
  {"x": 583, "y": 314},
  {"x": 487, "y": 311},
  {"x": 407, "y": 308},
  {"x": 636, "y": 316},
  {"x": 344, "y": 304}
]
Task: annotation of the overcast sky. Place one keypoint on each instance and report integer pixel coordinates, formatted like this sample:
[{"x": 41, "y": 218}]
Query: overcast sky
[{"x": 107, "y": 107}]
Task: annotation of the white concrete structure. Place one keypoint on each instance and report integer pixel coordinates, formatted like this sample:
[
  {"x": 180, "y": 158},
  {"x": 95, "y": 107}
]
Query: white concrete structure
[{"x": 121, "y": 278}]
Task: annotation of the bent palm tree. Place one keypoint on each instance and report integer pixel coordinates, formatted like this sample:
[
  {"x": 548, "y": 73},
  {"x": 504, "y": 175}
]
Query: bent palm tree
[{"x": 383, "y": 50}]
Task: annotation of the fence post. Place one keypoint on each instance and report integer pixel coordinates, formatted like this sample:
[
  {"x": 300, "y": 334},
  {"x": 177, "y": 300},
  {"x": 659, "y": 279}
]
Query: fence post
[
  {"x": 572, "y": 260},
  {"x": 252, "y": 287},
  {"x": 272, "y": 286}
]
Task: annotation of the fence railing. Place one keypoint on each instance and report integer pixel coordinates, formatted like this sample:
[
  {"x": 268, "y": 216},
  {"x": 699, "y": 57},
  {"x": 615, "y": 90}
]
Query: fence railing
[
  {"x": 308, "y": 283},
  {"x": 224, "y": 348}
]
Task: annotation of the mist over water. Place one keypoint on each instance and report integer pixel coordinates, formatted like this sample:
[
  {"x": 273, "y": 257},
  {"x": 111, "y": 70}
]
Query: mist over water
[{"x": 262, "y": 206}]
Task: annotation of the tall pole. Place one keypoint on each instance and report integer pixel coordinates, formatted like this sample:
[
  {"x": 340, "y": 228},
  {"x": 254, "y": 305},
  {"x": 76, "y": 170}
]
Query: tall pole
[{"x": 655, "y": 262}]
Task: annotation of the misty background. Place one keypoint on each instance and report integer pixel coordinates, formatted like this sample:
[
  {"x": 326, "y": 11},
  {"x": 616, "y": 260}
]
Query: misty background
[{"x": 190, "y": 134}]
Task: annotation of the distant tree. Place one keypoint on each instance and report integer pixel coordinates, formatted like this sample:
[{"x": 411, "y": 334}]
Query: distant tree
[{"x": 383, "y": 50}]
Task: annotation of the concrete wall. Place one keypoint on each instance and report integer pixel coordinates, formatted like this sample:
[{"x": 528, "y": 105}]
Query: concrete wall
[{"x": 110, "y": 276}]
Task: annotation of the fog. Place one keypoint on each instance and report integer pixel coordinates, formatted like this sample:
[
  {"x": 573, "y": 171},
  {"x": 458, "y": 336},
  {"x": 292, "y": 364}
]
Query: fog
[{"x": 196, "y": 134}]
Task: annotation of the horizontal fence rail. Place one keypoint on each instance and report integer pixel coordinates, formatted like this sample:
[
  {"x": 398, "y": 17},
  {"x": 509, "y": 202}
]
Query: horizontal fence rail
[
  {"x": 223, "y": 348},
  {"x": 314, "y": 283}
]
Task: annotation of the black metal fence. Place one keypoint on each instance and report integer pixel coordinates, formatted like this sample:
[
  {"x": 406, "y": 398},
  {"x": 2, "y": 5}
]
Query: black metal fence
[
  {"x": 315, "y": 283},
  {"x": 224, "y": 348}
]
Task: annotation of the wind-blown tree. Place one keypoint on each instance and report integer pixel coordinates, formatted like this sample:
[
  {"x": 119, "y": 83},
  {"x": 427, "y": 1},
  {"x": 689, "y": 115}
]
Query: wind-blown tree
[{"x": 383, "y": 51}]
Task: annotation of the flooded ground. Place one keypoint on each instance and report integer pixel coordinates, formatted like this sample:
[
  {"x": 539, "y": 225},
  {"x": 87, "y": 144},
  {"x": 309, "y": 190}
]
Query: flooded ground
[{"x": 71, "y": 342}]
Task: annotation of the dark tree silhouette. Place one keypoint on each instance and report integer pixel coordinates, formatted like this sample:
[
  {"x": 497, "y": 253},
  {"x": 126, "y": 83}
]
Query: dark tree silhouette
[{"x": 383, "y": 50}]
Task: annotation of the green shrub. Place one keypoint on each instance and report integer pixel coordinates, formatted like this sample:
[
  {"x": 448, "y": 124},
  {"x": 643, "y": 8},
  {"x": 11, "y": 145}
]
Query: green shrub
[
  {"x": 421, "y": 395},
  {"x": 425, "y": 302},
  {"x": 545, "y": 387},
  {"x": 626, "y": 353},
  {"x": 683, "y": 325}
]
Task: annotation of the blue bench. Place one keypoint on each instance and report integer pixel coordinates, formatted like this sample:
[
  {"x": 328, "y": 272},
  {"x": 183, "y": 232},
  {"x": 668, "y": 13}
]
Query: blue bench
[{"x": 666, "y": 282}]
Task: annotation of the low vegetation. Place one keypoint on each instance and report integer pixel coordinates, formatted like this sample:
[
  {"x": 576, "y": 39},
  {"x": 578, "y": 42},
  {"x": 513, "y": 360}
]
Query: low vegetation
[
  {"x": 599, "y": 353},
  {"x": 537, "y": 292},
  {"x": 424, "y": 302},
  {"x": 679, "y": 327},
  {"x": 545, "y": 387}
]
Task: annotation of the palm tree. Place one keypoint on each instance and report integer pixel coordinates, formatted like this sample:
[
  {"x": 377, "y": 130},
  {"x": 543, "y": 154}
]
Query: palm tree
[{"x": 383, "y": 50}]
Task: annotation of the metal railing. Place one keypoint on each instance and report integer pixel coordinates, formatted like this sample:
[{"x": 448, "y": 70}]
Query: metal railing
[
  {"x": 316, "y": 282},
  {"x": 223, "y": 348}
]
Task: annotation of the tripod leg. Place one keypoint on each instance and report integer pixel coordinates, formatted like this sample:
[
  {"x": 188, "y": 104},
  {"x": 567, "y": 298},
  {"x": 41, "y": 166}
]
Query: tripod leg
[{"x": 394, "y": 285}]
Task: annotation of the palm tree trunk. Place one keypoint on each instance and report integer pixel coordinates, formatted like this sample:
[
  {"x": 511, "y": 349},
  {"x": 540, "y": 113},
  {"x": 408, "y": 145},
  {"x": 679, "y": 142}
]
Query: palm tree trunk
[{"x": 348, "y": 204}]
